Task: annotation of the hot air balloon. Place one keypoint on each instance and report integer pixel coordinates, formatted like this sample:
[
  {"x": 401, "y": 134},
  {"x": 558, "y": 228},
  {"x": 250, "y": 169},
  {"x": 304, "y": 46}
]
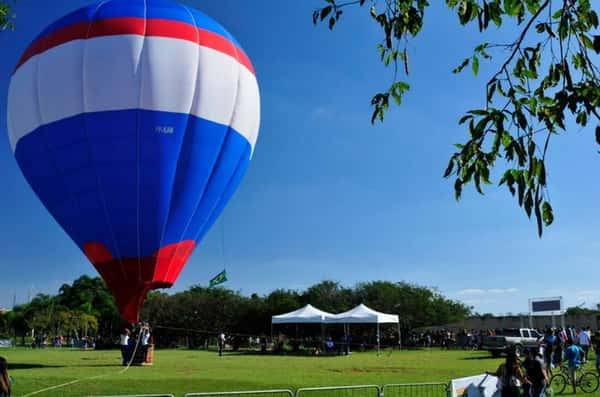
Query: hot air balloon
[{"x": 134, "y": 121}]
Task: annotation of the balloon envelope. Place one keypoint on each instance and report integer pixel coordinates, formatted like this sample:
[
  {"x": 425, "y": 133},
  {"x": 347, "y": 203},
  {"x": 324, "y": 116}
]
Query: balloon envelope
[{"x": 134, "y": 122}]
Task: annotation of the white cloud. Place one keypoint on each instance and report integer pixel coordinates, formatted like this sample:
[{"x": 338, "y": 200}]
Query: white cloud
[
  {"x": 470, "y": 292},
  {"x": 503, "y": 290},
  {"x": 590, "y": 292},
  {"x": 491, "y": 291}
]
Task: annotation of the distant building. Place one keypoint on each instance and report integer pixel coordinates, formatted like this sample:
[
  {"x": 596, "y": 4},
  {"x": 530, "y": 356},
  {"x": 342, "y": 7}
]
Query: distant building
[{"x": 489, "y": 321}]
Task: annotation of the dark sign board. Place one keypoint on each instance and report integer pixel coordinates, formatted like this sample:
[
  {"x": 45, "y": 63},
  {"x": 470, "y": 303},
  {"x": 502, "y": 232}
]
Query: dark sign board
[{"x": 546, "y": 306}]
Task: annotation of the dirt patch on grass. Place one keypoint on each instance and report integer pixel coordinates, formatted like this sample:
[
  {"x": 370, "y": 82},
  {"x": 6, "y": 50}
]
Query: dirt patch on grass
[{"x": 356, "y": 370}]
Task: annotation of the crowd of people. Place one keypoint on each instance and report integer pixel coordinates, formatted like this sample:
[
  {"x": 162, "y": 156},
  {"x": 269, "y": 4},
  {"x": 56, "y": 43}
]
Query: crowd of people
[
  {"x": 42, "y": 341},
  {"x": 568, "y": 347},
  {"x": 448, "y": 338}
]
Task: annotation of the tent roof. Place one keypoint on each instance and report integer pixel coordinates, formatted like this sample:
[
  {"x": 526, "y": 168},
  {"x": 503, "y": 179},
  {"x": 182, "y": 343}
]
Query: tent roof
[
  {"x": 363, "y": 314},
  {"x": 307, "y": 314}
]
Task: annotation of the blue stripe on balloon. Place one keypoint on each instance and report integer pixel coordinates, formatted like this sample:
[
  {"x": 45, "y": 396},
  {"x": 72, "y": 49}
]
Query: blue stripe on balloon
[{"x": 86, "y": 170}]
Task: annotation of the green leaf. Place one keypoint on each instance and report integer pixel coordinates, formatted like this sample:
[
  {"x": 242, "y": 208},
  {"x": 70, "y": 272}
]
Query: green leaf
[
  {"x": 475, "y": 65},
  {"x": 547, "y": 214},
  {"x": 331, "y": 23},
  {"x": 596, "y": 44},
  {"x": 538, "y": 219},
  {"x": 449, "y": 169},
  {"x": 586, "y": 41},
  {"x": 460, "y": 67},
  {"x": 528, "y": 203},
  {"x": 325, "y": 11},
  {"x": 491, "y": 90},
  {"x": 457, "y": 188}
]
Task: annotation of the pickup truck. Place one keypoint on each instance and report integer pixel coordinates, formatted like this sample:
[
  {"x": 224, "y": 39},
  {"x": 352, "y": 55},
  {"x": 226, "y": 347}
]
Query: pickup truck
[{"x": 511, "y": 338}]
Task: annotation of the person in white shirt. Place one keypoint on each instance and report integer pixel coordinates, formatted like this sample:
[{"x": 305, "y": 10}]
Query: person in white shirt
[
  {"x": 145, "y": 340},
  {"x": 124, "y": 343},
  {"x": 584, "y": 342},
  {"x": 221, "y": 343}
]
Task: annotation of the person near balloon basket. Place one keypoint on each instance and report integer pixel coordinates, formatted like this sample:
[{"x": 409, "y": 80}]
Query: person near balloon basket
[
  {"x": 145, "y": 341},
  {"x": 124, "y": 344}
]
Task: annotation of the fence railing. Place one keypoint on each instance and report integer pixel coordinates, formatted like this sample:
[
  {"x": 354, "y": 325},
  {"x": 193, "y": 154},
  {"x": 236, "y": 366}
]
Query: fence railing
[
  {"x": 251, "y": 393},
  {"x": 432, "y": 389},
  {"x": 142, "y": 395},
  {"x": 340, "y": 391}
]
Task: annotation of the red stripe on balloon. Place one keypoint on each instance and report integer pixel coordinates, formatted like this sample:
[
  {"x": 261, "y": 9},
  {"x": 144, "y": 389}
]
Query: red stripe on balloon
[
  {"x": 130, "y": 279},
  {"x": 140, "y": 27}
]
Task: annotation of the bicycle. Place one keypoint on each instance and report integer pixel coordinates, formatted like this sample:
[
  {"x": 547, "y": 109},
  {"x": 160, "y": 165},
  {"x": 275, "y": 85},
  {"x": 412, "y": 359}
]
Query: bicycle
[{"x": 587, "y": 381}]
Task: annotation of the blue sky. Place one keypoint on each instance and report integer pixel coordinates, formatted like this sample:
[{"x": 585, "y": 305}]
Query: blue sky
[{"x": 328, "y": 196}]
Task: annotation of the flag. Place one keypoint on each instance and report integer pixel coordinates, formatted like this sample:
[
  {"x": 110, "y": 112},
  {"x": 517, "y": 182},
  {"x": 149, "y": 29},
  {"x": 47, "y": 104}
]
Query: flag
[{"x": 218, "y": 279}]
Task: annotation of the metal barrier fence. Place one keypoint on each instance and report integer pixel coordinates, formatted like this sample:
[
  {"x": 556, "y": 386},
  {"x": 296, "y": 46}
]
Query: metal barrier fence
[
  {"x": 433, "y": 389},
  {"x": 261, "y": 393},
  {"x": 142, "y": 395},
  {"x": 340, "y": 391}
]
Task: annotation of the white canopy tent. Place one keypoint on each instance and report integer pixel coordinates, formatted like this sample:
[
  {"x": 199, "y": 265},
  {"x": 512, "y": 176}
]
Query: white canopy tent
[
  {"x": 362, "y": 314},
  {"x": 306, "y": 315}
]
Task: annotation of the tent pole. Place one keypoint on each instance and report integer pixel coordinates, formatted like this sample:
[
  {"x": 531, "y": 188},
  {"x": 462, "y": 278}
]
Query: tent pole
[
  {"x": 348, "y": 339},
  {"x": 399, "y": 337},
  {"x": 378, "y": 340}
]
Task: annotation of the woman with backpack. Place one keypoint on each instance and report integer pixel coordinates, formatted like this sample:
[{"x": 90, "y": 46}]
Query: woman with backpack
[{"x": 510, "y": 376}]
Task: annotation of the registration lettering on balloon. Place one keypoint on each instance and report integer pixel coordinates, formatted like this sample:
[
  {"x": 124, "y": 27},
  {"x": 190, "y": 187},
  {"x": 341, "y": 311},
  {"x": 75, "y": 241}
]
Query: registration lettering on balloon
[
  {"x": 89, "y": 102},
  {"x": 164, "y": 129}
]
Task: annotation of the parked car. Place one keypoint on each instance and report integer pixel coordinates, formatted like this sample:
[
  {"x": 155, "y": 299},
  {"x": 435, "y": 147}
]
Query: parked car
[{"x": 511, "y": 338}]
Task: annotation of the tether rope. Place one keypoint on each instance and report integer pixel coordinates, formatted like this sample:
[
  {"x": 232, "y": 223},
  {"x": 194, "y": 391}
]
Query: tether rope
[{"x": 90, "y": 377}]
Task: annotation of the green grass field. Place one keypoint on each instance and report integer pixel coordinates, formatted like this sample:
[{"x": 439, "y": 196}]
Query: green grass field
[{"x": 182, "y": 371}]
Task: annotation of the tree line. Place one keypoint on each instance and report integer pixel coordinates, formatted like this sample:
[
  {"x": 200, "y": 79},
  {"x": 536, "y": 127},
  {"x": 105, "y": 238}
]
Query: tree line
[{"x": 86, "y": 307}]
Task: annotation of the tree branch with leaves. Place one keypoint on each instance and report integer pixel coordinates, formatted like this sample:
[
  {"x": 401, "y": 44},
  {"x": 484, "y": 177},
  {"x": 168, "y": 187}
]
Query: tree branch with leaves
[
  {"x": 6, "y": 16},
  {"x": 549, "y": 76}
]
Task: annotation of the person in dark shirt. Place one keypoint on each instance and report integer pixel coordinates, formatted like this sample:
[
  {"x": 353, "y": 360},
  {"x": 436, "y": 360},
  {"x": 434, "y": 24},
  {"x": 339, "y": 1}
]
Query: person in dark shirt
[
  {"x": 5, "y": 380},
  {"x": 550, "y": 341},
  {"x": 510, "y": 376},
  {"x": 536, "y": 377},
  {"x": 597, "y": 350}
]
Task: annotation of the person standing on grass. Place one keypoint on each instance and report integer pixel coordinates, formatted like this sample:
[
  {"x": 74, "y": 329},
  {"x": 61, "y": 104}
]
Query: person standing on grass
[
  {"x": 537, "y": 378},
  {"x": 574, "y": 356},
  {"x": 5, "y": 380},
  {"x": 124, "y": 344},
  {"x": 584, "y": 342},
  {"x": 597, "y": 350},
  {"x": 221, "y": 343},
  {"x": 510, "y": 376},
  {"x": 550, "y": 341}
]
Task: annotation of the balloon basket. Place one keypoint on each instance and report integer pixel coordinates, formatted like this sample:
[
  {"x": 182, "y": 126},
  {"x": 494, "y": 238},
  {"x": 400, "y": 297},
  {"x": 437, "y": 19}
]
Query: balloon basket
[{"x": 144, "y": 356}]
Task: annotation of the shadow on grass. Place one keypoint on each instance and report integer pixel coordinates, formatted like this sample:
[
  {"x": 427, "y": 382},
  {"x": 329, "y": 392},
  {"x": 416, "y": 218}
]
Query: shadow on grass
[
  {"x": 482, "y": 358},
  {"x": 12, "y": 366}
]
